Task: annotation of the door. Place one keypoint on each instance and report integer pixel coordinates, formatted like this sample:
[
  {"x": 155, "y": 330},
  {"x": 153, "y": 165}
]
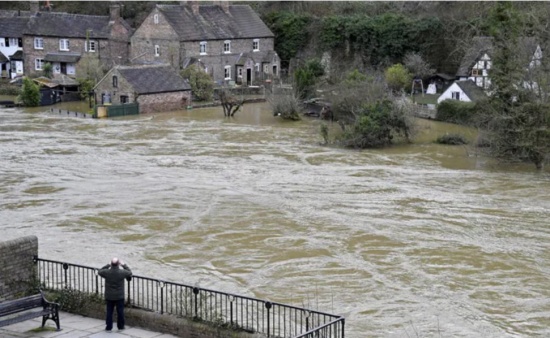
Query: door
[
  {"x": 248, "y": 76},
  {"x": 63, "y": 68}
]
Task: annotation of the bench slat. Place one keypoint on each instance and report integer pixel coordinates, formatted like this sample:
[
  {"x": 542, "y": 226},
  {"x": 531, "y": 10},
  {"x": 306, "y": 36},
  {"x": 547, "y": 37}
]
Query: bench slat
[
  {"x": 23, "y": 317},
  {"x": 19, "y": 305}
]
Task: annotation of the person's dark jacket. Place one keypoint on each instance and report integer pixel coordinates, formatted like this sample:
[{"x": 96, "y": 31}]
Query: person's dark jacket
[{"x": 114, "y": 280}]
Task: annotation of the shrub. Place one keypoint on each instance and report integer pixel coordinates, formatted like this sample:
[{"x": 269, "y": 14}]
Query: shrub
[
  {"x": 454, "y": 111},
  {"x": 8, "y": 89},
  {"x": 30, "y": 94},
  {"x": 286, "y": 106},
  {"x": 452, "y": 139},
  {"x": 398, "y": 77},
  {"x": 72, "y": 300},
  {"x": 201, "y": 83}
]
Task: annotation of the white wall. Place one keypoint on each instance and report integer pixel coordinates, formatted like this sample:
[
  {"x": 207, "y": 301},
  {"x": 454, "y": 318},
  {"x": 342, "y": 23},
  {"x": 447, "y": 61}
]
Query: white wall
[{"x": 448, "y": 94}]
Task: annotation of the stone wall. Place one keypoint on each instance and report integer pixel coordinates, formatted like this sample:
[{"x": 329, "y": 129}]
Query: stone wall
[
  {"x": 164, "y": 102},
  {"x": 17, "y": 268}
]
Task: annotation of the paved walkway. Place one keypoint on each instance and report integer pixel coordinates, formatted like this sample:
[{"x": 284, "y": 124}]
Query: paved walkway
[{"x": 74, "y": 326}]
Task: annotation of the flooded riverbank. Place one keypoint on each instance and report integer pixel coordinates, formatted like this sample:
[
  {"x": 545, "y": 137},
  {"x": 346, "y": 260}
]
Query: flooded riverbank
[{"x": 416, "y": 240}]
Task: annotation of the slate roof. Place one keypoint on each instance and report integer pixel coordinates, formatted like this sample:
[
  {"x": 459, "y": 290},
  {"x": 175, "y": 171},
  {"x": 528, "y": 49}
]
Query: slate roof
[
  {"x": 3, "y": 58},
  {"x": 213, "y": 23},
  {"x": 17, "y": 55},
  {"x": 153, "y": 79},
  {"x": 474, "y": 92},
  {"x": 12, "y": 27},
  {"x": 66, "y": 25},
  {"x": 62, "y": 57}
]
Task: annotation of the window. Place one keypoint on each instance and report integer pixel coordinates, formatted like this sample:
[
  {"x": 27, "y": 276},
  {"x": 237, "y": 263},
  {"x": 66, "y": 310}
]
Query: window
[
  {"x": 13, "y": 42},
  {"x": 455, "y": 95},
  {"x": 203, "y": 48},
  {"x": 475, "y": 72},
  {"x": 227, "y": 72},
  {"x": 227, "y": 46},
  {"x": 115, "y": 81},
  {"x": 38, "y": 64},
  {"x": 64, "y": 44},
  {"x": 256, "y": 45},
  {"x": 266, "y": 69},
  {"x": 38, "y": 43},
  {"x": 240, "y": 72},
  {"x": 157, "y": 50},
  {"x": 156, "y": 19},
  {"x": 91, "y": 46},
  {"x": 124, "y": 99},
  {"x": 257, "y": 67}
]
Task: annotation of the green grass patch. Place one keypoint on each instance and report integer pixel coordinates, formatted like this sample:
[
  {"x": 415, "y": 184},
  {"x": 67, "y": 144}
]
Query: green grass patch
[{"x": 425, "y": 99}]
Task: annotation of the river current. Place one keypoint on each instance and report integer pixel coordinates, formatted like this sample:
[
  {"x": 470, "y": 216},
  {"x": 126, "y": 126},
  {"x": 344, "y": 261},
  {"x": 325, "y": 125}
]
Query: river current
[{"x": 421, "y": 240}]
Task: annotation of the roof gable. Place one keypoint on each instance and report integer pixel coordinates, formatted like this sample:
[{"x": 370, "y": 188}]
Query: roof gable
[
  {"x": 153, "y": 79},
  {"x": 213, "y": 23}
]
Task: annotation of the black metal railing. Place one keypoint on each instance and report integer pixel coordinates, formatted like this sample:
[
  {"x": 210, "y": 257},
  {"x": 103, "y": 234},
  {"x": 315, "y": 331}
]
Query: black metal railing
[{"x": 240, "y": 312}]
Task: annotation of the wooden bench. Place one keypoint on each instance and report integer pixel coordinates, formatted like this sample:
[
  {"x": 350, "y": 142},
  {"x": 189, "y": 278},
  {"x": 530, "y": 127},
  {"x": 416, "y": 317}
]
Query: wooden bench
[{"x": 22, "y": 309}]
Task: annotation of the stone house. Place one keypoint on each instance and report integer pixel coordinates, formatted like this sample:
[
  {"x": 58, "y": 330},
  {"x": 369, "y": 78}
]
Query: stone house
[
  {"x": 157, "y": 88},
  {"x": 477, "y": 62},
  {"x": 75, "y": 44},
  {"x": 231, "y": 41},
  {"x": 11, "y": 46}
]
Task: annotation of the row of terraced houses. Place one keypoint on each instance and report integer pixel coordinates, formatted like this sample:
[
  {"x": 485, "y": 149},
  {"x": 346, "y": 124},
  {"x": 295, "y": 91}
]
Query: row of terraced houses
[{"x": 229, "y": 42}]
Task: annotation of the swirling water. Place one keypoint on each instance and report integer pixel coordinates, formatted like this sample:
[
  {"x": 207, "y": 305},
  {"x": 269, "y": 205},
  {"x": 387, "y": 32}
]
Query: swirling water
[{"x": 420, "y": 240}]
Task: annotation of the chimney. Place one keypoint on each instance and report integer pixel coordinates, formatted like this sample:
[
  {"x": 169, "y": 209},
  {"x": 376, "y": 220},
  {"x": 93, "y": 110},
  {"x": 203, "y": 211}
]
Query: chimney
[
  {"x": 194, "y": 6},
  {"x": 114, "y": 11},
  {"x": 224, "y": 4},
  {"x": 34, "y": 7}
]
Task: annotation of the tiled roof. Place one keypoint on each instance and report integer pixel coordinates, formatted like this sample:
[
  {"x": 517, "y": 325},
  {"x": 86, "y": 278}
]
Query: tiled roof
[
  {"x": 479, "y": 46},
  {"x": 474, "y": 92},
  {"x": 526, "y": 47},
  {"x": 153, "y": 79},
  {"x": 12, "y": 27},
  {"x": 68, "y": 25},
  {"x": 213, "y": 23}
]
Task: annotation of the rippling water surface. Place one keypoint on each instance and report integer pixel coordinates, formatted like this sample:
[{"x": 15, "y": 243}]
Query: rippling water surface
[{"x": 413, "y": 241}]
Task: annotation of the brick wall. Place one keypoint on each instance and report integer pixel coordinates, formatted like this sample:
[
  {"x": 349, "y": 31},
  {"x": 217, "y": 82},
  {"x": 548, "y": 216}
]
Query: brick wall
[{"x": 17, "y": 269}]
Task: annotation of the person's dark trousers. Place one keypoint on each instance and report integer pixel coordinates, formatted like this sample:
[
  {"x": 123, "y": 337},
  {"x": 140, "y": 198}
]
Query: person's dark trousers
[{"x": 119, "y": 311}]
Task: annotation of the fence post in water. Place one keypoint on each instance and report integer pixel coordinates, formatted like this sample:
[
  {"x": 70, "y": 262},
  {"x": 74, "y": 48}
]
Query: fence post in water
[
  {"x": 196, "y": 292},
  {"x": 268, "y": 306},
  {"x": 66, "y": 267}
]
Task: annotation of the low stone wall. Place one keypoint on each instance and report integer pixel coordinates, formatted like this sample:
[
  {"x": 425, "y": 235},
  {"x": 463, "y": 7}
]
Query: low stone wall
[
  {"x": 17, "y": 268},
  {"x": 181, "y": 327}
]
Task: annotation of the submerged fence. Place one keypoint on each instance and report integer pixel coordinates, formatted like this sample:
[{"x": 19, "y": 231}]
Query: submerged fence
[{"x": 239, "y": 312}]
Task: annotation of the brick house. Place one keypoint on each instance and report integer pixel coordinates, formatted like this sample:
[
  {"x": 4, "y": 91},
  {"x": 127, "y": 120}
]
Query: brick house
[
  {"x": 230, "y": 41},
  {"x": 72, "y": 43},
  {"x": 157, "y": 88}
]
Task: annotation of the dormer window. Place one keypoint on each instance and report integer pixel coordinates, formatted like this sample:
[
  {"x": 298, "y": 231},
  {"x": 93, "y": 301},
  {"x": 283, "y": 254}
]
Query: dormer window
[
  {"x": 256, "y": 45},
  {"x": 203, "y": 48},
  {"x": 91, "y": 46},
  {"x": 227, "y": 46},
  {"x": 156, "y": 19}
]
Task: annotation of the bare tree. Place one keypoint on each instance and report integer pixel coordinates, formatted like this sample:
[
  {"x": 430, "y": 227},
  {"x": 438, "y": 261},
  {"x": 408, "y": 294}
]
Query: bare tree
[{"x": 230, "y": 103}]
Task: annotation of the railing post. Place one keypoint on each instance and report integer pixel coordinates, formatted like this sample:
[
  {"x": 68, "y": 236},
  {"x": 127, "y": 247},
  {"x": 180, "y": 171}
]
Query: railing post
[
  {"x": 128, "y": 279},
  {"x": 96, "y": 273},
  {"x": 196, "y": 292},
  {"x": 343, "y": 325},
  {"x": 231, "y": 299},
  {"x": 268, "y": 306},
  {"x": 161, "y": 284},
  {"x": 307, "y": 320},
  {"x": 66, "y": 267}
]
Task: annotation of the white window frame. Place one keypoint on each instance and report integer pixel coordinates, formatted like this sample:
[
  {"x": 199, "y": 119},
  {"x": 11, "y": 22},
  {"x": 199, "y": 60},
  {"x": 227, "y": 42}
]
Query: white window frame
[
  {"x": 256, "y": 45},
  {"x": 38, "y": 43},
  {"x": 157, "y": 50},
  {"x": 203, "y": 48},
  {"x": 257, "y": 66},
  {"x": 227, "y": 46},
  {"x": 14, "y": 42},
  {"x": 266, "y": 69},
  {"x": 64, "y": 45},
  {"x": 156, "y": 19},
  {"x": 90, "y": 46},
  {"x": 227, "y": 72},
  {"x": 455, "y": 95},
  {"x": 38, "y": 64}
]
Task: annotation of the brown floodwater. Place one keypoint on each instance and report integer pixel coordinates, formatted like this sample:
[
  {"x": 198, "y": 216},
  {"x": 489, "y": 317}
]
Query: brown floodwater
[{"x": 419, "y": 240}]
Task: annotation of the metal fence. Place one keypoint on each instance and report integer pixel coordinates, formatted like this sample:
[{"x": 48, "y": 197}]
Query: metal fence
[{"x": 220, "y": 308}]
